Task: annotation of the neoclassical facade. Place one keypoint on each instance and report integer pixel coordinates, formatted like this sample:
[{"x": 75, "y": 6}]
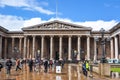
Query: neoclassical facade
[{"x": 56, "y": 37}]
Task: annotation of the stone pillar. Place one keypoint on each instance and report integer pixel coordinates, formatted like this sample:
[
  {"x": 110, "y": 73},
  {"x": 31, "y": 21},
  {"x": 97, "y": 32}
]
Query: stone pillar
[
  {"x": 28, "y": 48},
  {"x": 42, "y": 47},
  {"x": 0, "y": 47},
  {"x": 78, "y": 47},
  {"x": 60, "y": 47},
  {"x": 33, "y": 47},
  {"x": 111, "y": 47},
  {"x": 116, "y": 47},
  {"x": 104, "y": 69},
  {"x": 20, "y": 46},
  {"x": 51, "y": 47},
  {"x": 5, "y": 49},
  {"x": 24, "y": 56},
  {"x": 95, "y": 52},
  {"x": 119, "y": 46},
  {"x": 13, "y": 40},
  {"x": 69, "y": 48},
  {"x": 88, "y": 48}
]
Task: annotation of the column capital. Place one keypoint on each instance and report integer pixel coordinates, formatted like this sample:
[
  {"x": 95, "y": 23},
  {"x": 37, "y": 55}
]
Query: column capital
[
  {"x": 33, "y": 35},
  {"x": 79, "y": 35},
  {"x": 51, "y": 35},
  {"x": 69, "y": 35},
  {"x": 20, "y": 37},
  {"x": 60, "y": 35},
  {"x": 42, "y": 35},
  {"x": 88, "y": 36}
]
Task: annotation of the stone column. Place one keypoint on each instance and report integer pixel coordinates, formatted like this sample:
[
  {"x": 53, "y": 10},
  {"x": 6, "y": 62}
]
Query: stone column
[
  {"x": 13, "y": 42},
  {"x": 60, "y": 47},
  {"x": 111, "y": 48},
  {"x": 28, "y": 48},
  {"x": 119, "y": 46},
  {"x": 51, "y": 47},
  {"x": 88, "y": 48},
  {"x": 24, "y": 55},
  {"x": 69, "y": 48},
  {"x": 5, "y": 49},
  {"x": 0, "y": 47},
  {"x": 20, "y": 46},
  {"x": 116, "y": 47},
  {"x": 33, "y": 48},
  {"x": 78, "y": 47},
  {"x": 42, "y": 47},
  {"x": 95, "y": 52}
]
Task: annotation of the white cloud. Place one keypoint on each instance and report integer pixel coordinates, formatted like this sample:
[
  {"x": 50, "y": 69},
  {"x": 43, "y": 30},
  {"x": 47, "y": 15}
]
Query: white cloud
[
  {"x": 97, "y": 25},
  {"x": 32, "y": 5},
  {"x": 33, "y": 21},
  {"x": 11, "y": 22},
  {"x": 16, "y": 23}
]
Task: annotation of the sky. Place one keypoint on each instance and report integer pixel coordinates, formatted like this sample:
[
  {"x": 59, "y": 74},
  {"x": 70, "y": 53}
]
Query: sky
[{"x": 16, "y": 14}]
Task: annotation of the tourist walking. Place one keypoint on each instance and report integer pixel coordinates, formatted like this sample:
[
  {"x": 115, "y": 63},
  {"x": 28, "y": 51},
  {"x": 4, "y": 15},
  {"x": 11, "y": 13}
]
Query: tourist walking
[
  {"x": 46, "y": 66},
  {"x": 18, "y": 64},
  {"x": 84, "y": 70},
  {"x": 30, "y": 64},
  {"x": 1, "y": 66},
  {"x": 8, "y": 66},
  {"x": 87, "y": 67}
]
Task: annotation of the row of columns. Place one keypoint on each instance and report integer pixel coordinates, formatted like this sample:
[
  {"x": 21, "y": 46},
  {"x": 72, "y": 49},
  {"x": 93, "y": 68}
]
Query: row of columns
[
  {"x": 115, "y": 47},
  {"x": 26, "y": 50},
  {"x": 113, "y": 43},
  {"x": 60, "y": 47}
]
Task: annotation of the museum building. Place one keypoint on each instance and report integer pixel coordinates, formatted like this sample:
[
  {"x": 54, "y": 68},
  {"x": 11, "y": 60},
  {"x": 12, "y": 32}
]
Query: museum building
[{"x": 70, "y": 41}]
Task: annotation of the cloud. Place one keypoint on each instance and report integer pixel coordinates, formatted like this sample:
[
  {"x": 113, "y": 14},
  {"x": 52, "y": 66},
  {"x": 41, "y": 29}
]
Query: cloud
[
  {"x": 97, "y": 25},
  {"x": 14, "y": 23},
  {"x": 32, "y": 5},
  {"x": 11, "y": 23}
]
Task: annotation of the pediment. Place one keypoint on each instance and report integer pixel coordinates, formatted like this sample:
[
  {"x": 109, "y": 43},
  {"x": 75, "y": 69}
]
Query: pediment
[{"x": 53, "y": 25}]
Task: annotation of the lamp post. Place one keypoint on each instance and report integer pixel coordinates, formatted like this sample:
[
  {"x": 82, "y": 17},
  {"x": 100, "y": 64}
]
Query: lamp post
[{"x": 103, "y": 58}]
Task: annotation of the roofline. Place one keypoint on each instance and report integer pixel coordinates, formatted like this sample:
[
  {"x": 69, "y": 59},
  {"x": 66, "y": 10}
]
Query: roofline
[
  {"x": 57, "y": 21},
  {"x": 15, "y": 32},
  {"x": 115, "y": 27},
  {"x": 4, "y": 29}
]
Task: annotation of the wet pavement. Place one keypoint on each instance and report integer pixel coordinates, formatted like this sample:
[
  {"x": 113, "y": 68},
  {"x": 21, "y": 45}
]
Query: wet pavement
[{"x": 69, "y": 72}]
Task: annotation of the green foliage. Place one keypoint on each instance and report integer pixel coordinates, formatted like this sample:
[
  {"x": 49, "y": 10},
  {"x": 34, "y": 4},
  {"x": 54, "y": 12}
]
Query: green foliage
[{"x": 115, "y": 69}]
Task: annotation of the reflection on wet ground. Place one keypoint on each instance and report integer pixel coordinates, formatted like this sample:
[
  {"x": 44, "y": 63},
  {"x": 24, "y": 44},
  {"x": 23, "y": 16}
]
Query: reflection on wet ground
[
  {"x": 115, "y": 75},
  {"x": 69, "y": 72}
]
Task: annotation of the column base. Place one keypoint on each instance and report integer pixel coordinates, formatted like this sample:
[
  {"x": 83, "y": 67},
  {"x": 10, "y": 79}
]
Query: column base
[{"x": 60, "y": 59}]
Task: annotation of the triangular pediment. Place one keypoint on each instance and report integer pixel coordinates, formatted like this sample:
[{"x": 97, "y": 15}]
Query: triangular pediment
[{"x": 56, "y": 25}]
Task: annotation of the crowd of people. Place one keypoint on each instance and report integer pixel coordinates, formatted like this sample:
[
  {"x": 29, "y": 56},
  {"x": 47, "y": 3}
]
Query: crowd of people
[
  {"x": 33, "y": 65},
  {"x": 37, "y": 65}
]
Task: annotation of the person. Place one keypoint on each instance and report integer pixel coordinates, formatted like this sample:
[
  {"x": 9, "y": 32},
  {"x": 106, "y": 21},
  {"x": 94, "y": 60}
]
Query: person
[
  {"x": 50, "y": 63},
  {"x": 46, "y": 66},
  {"x": 87, "y": 67},
  {"x": 8, "y": 66},
  {"x": 62, "y": 63},
  {"x": 1, "y": 66},
  {"x": 84, "y": 70},
  {"x": 30, "y": 64},
  {"x": 18, "y": 64}
]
